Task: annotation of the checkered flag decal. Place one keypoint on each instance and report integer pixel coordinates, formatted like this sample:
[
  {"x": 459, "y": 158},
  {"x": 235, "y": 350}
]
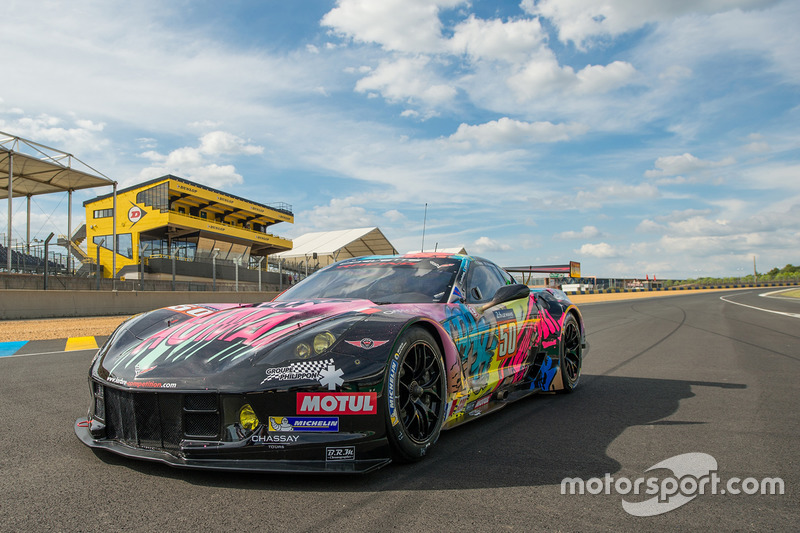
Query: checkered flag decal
[{"x": 310, "y": 366}]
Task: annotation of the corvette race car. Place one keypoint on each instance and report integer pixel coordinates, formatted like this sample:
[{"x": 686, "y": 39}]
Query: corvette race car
[{"x": 365, "y": 361}]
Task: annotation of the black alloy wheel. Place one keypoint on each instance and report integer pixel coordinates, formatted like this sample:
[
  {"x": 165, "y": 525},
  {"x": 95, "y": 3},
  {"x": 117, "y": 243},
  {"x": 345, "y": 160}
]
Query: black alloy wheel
[
  {"x": 571, "y": 354},
  {"x": 416, "y": 394}
]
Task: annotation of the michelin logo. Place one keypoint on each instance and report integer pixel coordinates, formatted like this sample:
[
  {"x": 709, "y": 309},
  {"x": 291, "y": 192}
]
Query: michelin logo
[{"x": 309, "y": 424}]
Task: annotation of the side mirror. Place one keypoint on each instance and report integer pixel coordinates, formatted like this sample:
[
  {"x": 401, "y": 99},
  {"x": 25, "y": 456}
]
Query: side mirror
[{"x": 507, "y": 293}]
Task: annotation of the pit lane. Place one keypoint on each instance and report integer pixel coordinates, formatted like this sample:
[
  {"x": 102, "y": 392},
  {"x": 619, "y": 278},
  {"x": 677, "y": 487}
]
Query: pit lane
[{"x": 665, "y": 376}]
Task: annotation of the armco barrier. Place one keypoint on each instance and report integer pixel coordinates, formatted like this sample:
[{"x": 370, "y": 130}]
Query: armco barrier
[
  {"x": 692, "y": 288},
  {"x": 31, "y": 304}
]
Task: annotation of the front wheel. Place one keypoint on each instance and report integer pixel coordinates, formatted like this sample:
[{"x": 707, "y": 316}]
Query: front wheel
[
  {"x": 571, "y": 354},
  {"x": 416, "y": 395}
]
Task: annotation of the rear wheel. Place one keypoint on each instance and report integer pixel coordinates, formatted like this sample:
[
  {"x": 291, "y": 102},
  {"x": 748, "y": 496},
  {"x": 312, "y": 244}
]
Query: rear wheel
[
  {"x": 416, "y": 395},
  {"x": 571, "y": 353}
]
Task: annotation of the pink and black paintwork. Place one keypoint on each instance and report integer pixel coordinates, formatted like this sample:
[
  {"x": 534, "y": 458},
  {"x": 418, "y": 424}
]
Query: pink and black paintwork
[{"x": 169, "y": 385}]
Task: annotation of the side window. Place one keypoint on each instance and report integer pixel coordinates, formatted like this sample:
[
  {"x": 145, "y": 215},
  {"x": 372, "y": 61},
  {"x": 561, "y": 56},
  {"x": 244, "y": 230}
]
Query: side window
[
  {"x": 483, "y": 282},
  {"x": 507, "y": 278}
]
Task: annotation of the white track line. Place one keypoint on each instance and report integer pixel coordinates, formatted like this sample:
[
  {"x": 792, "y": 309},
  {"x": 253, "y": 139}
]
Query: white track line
[
  {"x": 774, "y": 294},
  {"x": 793, "y": 315}
]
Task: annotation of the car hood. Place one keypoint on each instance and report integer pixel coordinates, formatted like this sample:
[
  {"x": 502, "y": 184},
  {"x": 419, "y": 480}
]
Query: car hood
[{"x": 221, "y": 346}]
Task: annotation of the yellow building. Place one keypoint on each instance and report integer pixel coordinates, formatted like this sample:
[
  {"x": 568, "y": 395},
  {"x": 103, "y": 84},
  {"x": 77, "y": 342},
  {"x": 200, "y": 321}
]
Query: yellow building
[{"x": 171, "y": 216}]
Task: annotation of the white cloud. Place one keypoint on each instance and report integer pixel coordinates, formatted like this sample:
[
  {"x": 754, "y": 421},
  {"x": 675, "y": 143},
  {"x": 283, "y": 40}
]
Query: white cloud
[
  {"x": 407, "y": 79},
  {"x": 581, "y": 20},
  {"x": 675, "y": 73},
  {"x": 513, "y": 41},
  {"x": 340, "y": 213},
  {"x": 485, "y": 244},
  {"x": 772, "y": 176},
  {"x": 394, "y": 215},
  {"x": 223, "y": 143},
  {"x": 543, "y": 77},
  {"x": 506, "y": 131},
  {"x": 78, "y": 136},
  {"x": 757, "y": 148},
  {"x": 588, "y": 232},
  {"x": 600, "y": 250},
  {"x": 400, "y": 25},
  {"x": 196, "y": 163},
  {"x": 684, "y": 164},
  {"x": 611, "y": 193}
]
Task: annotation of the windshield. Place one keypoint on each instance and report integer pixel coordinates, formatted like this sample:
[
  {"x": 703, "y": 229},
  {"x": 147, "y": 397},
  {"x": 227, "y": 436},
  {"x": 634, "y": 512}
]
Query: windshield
[{"x": 382, "y": 280}]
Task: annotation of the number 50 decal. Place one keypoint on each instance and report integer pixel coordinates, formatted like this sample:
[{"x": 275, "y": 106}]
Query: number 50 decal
[{"x": 506, "y": 340}]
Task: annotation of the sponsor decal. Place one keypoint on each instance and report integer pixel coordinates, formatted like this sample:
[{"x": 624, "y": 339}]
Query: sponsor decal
[
  {"x": 457, "y": 406},
  {"x": 483, "y": 401},
  {"x": 323, "y": 371},
  {"x": 392, "y": 400},
  {"x": 343, "y": 403},
  {"x": 340, "y": 453},
  {"x": 142, "y": 384},
  {"x": 274, "y": 439},
  {"x": 192, "y": 310},
  {"x": 139, "y": 370},
  {"x": 310, "y": 424},
  {"x": 474, "y": 408},
  {"x": 331, "y": 377},
  {"x": 366, "y": 343},
  {"x": 505, "y": 315},
  {"x": 135, "y": 214}
]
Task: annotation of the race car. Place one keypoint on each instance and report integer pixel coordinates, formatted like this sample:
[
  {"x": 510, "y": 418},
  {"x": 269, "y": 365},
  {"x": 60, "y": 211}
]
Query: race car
[{"x": 364, "y": 362}]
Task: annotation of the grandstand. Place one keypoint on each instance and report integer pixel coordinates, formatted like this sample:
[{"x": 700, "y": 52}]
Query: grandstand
[{"x": 31, "y": 263}]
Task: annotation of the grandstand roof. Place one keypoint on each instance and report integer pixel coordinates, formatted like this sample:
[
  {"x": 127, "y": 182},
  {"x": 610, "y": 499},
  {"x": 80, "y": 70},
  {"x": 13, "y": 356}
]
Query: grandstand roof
[
  {"x": 341, "y": 244},
  {"x": 39, "y": 169}
]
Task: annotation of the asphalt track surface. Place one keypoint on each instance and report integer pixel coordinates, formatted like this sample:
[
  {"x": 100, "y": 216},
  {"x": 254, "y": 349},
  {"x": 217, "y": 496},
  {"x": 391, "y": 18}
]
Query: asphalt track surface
[{"x": 664, "y": 376}]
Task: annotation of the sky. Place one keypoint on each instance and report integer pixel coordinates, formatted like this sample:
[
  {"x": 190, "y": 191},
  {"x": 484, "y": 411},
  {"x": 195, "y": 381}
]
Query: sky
[{"x": 638, "y": 137}]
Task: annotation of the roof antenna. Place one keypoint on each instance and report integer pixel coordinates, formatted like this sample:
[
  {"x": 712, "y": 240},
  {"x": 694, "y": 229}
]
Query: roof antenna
[{"x": 424, "y": 221}]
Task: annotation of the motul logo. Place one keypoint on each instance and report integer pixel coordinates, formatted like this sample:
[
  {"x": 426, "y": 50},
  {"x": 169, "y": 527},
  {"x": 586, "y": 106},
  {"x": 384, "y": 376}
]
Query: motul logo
[{"x": 320, "y": 403}]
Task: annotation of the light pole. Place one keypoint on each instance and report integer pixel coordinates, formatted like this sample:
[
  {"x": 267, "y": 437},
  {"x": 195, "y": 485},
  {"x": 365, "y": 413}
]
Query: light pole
[
  {"x": 214, "y": 255},
  {"x": 174, "y": 255},
  {"x": 237, "y": 262}
]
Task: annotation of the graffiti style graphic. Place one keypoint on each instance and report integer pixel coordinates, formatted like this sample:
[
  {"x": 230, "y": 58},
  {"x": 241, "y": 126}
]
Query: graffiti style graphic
[
  {"x": 476, "y": 343},
  {"x": 513, "y": 366},
  {"x": 548, "y": 329},
  {"x": 546, "y": 374},
  {"x": 319, "y": 384}
]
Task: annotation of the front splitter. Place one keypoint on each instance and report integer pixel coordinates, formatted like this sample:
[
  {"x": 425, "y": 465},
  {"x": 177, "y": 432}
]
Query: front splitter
[{"x": 234, "y": 465}]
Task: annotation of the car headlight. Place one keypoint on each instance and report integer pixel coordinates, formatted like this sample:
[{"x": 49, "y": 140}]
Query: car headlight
[
  {"x": 323, "y": 341},
  {"x": 316, "y": 340},
  {"x": 319, "y": 345},
  {"x": 248, "y": 418}
]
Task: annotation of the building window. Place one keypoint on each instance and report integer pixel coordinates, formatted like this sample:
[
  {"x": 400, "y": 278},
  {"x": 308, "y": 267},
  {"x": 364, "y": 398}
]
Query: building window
[
  {"x": 124, "y": 243},
  {"x": 103, "y": 213},
  {"x": 156, "y": 197},
  {"x": 202, "y": 214}
]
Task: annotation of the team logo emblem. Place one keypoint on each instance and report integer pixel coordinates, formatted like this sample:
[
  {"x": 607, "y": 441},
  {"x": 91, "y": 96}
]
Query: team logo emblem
[
  {"x": 366, "y": 343},
  {"x": 135, "y": 214}
]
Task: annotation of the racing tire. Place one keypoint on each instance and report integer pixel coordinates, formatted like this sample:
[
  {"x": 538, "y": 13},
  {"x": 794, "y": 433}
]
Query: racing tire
[
  {"x": 416, "y": 393},
  {"x": 571, "y": 350}
]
